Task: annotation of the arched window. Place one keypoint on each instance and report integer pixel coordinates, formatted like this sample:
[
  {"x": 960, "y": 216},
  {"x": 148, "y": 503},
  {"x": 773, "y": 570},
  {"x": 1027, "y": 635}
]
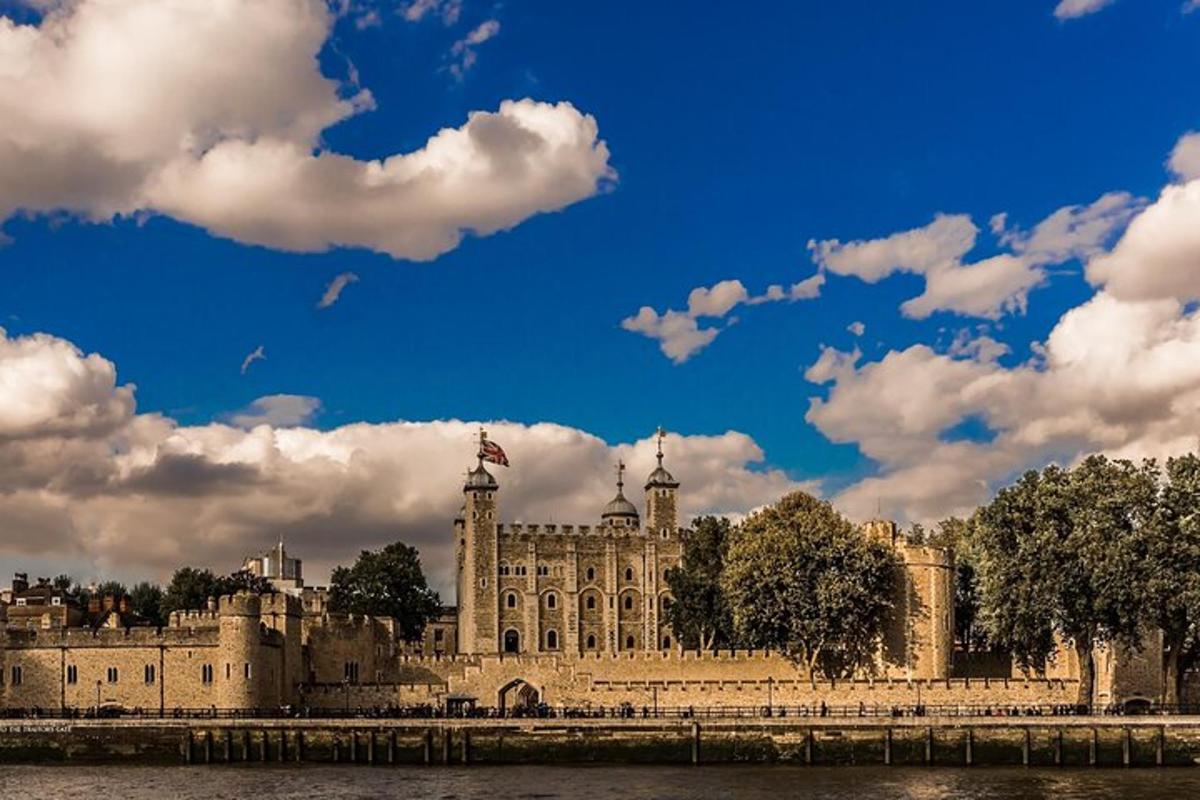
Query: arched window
[
  {"x": 551, "y": 640},
  {"x": 591, "y": 642},
  {"x": 512, "y": 641},
  {"x": 628, "y": 602},
  {"x": 510, "y": 600},
  {"x": 666, "y": 643},
  {"x": 552, "y": 600},
  {"x": 629, "y": 645},
  {"x": 590, "y": 603},
  {"x": 629, "y": 573},
  {"x": 504, "y": 569},
  {"x": 591, "y": 573}
]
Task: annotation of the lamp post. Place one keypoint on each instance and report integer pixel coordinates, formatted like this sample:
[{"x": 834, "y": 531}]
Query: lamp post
[
  {"x": 346, "y": 686},
  {"x": 97, "y": 698},
  {"x": 770, "y": 695}
]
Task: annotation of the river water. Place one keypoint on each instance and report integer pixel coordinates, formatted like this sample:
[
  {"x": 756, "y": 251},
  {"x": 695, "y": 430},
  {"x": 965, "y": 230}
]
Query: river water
[{"x": 313, "y": 782}]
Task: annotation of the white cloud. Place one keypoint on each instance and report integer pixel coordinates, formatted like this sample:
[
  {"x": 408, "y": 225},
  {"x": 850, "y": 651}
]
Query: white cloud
[
  {"x": 1159, "y": 255},
  {"x": 277, "y": 410},
  {"x": 258, "y": 354},
  {"x": 334, "y": 290},
  {"x": 417, "y": 10},
  {"x": 90, "y": 481},
  {"x": 679, "y": 333},
  {"x": 1073, "y": 9},
  {"x": 989, "y": 288},
  {"x": 857, "y": 328},
  {"x": 114, "y": 108},
  {"x": 1185, "y": 158},
  {"x": 463, "y": 51}
]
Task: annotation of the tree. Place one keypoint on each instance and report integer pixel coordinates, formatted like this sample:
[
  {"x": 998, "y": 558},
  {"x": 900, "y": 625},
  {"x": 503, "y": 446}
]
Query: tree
[
  {"x": 111, "y": 589},
  {"x": 63, "y": 583},
  {"x": 1172, "y": 560},
  {"x": 387, "y": 583},
  {"x": 190, "y": 588},
  {"x": 801, "y": 579},
  {"x": 699, "y": 613},
  {"x": 1059, "y": 558},
  {"x": 146, "y": 600},
  {"x": 955, "y": 534}
]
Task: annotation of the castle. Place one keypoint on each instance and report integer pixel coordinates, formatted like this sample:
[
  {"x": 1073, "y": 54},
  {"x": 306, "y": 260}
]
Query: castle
[{"x": 563, "y": 614}]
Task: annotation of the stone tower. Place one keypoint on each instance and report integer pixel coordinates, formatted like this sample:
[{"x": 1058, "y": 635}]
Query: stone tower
[
  {"x": 662, "y": 497},
  {"x": 476, "y": 548},
  {"x": 239, "y": 671}
]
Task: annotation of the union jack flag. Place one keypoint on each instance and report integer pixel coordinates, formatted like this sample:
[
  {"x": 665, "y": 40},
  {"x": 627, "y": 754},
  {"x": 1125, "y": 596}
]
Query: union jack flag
[{"x": 490, "y": 451}]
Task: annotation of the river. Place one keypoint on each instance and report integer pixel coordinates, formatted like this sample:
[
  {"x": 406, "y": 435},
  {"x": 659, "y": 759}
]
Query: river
[{"x": 314, "y": 782}]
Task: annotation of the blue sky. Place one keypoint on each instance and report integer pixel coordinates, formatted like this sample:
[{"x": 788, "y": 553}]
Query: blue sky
[{"x": 737, "y": 137}]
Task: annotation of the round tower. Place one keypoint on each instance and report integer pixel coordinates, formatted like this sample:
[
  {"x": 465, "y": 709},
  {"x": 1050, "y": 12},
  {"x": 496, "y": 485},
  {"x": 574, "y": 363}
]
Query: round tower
[{"x": 237, "y": 669}]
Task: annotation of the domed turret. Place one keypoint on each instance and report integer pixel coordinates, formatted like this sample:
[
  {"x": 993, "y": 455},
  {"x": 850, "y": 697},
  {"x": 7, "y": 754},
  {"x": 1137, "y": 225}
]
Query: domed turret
[
  {"x": 660, "y": 478},
  {"x": 661, "y": 497},
  {"x": 619, "y": 510},
  {"x": 480, "y": 478}
]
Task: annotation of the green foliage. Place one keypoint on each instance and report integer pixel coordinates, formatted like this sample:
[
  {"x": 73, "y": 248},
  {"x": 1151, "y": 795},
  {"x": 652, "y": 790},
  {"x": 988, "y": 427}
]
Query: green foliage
[
  {"x": 699, "y": 614},
  {"x": 801, "y": 579},
  {"x": 146, "y": 600},
  {"x": 1059, "y": 555},
  {"x": 63, "y": 582},
  {"x": 387, "y": 583},
  {"x": 1171, "y": 547},
  {"x": 111, "y": 589},
  {"x": 190, "y": 588}
]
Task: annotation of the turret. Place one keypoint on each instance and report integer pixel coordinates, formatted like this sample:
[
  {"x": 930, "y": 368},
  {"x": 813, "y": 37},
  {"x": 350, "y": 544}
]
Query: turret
[
  {"x": 662, "y": 497},
  {"x": 620, "y": 512},
  {"x": 476, "y": 548}
]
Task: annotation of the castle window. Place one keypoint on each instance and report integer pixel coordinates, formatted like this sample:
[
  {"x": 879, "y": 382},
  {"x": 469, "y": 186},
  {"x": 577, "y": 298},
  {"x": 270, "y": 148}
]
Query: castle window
[
  {"x": 228, "y": 671},
  {"x": 112, "y": 675},
  {"x": 148, "y": 673},
  {"x": 504, "y": 569},
  {"x": 543, "y": 571},
  {"x": 590, "y": 603},
  {"x": 551, "y": 640},
  {"x": 510, "y": 600},
  {"x": 666, "y": 643},
  {"x": 72, "y": 674},
  {"x": 350, "y": 672},
  {"x": 206, "y": 673},
  {"x": 552, "y": 600},
  {"x": 483, "y": 583},
  {"x": 246, "y": 670},
  {"x": 628, "y": 602},
  {"x": 591, "y": 573},
  {"x": 629, "y": 573},
  {"x": 591, "y": 642},
  {"x": 439, "y": 634},
  {"x": 629, "y": 643},
  {"x": 17, "y": 675},
  {"x": 666, "y": 534}
]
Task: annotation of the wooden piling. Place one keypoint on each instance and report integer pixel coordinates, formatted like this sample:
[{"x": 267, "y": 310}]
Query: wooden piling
[
  {"x": 1127, "y": 747},
  {"x": 371, "y": 748},
  {"x": 1025, "y": 748},
  {"x": 695, "y": 742},
  {"x": 262, "y": 753},
  {"x": 282, "y": 754},
  {"x": 808, "y": 747},
  {"x": 208, "y": 747},
  {"x": 969, "y": 748},
  {"x": 247, "y": 755},
  {"x": 428, "y": 746},
  {"x": 353, "y": 747},
  {"x": 446, "y": 742},
  {"x": 299, "y": 748},
  {"x": 227, "y": 746},
  {"x": 1094, "y": 748},
  {"x": 929, "y": 747},
  {"x": 1058, "y": 747},
  {"x": 466, "y": 747},
  {"x": 391, "y": 747},
  {"x": 887, "y": 747},
  {"x": 1160, "y": 746},
  {"x": 337, "y": 749},
  {"x": 187, "y": 747}
]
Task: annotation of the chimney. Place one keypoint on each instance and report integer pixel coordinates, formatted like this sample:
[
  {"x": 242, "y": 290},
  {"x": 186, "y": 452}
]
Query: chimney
[{"x": 20, "y": 582}]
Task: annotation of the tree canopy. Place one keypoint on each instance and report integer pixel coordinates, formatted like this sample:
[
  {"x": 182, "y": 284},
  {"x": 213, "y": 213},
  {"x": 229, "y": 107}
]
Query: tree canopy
[
  {"x": 387, "y": 583},
  {"x": 190, "y": 588},
  {"x": 699, "y": 613},
  {"x": 801, "y": 579},
  {"x": 1059, "y": 560}
]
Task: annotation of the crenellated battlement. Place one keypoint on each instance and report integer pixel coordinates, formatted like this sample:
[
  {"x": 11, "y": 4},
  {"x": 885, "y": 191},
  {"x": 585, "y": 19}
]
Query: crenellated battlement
[
  {"x": 19, "y": 638},
  {"x": 554, "y": 529}
]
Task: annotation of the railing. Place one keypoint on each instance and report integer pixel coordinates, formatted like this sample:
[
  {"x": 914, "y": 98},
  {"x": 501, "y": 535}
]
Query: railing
[{"x": 818, "y": 711}]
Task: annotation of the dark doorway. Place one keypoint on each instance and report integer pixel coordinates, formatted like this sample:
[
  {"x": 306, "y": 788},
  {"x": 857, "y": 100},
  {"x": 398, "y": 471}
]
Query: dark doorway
[{"x": 518, "y": 699}]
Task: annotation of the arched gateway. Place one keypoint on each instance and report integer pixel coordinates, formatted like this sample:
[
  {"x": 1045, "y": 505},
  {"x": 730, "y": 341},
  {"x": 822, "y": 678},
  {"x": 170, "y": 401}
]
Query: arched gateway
[{"x": 517, "y": 696}]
